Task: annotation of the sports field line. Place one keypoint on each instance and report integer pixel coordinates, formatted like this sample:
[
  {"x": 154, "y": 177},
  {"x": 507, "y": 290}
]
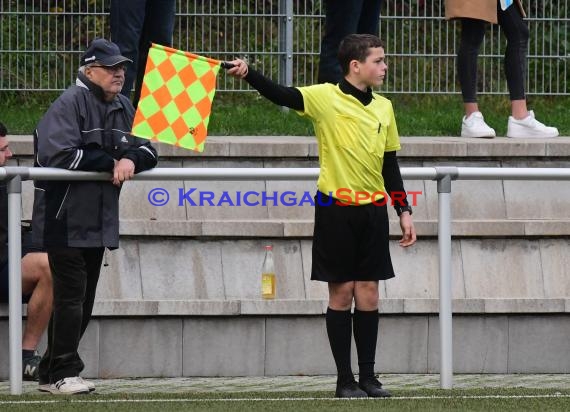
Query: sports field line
[{"x": 197, "y": 400}]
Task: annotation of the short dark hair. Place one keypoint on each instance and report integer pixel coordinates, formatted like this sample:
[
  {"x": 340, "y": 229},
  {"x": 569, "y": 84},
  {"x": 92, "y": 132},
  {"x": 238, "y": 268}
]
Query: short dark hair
[
  {"x": 356, "y": 47},
  {"x": 3, "y": 130}
]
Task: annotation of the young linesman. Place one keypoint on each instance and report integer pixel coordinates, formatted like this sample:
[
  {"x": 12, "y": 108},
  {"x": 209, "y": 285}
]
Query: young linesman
[{"x": 358, "y": 139}]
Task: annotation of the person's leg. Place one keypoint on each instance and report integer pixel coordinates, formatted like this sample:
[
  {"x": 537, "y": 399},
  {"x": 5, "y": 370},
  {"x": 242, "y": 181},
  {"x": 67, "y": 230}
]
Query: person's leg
[
  {"x": 365, "y": 324},
  {"x": 43, "y": 372},
  {"x": 339, "y": 330},
  {"x": 472, "y": 34},
  {"x": 158, "y": 28},
  {"x": 4, "y": 286},
  {"x": 93, "y": 259},
  {"x": 127, "y": 19},
  {"x": 38, "y": 294},
  {"x": 36, "y": 281},
  {"x": 473, "y": 123},
  {"x": 69, "y": 276},
  {"x": 522, "y": 122},
  {"x": 339, "y": 327},
  {"x": 369, "y": 18},
  {"x": 517, "y": 34},
  {"x": 341, "y": 19},
  {"x": 159, "y": 21},
  {"x": 333, "y": 261}
]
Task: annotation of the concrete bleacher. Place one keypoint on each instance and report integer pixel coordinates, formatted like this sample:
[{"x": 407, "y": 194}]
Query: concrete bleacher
[{"x": 181, "y": 297}]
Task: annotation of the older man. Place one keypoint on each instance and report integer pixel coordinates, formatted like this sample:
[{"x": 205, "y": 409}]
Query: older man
[
  {"x": 36, "y": 278},
  {"x": 86, "y": 128}
]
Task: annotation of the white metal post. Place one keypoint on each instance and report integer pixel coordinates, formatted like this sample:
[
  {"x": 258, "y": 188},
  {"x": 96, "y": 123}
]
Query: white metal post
[
  {"x": 15, "y": 281},
  {"x": 286, "y": 43},
  {"x": 445, "y": 313}
]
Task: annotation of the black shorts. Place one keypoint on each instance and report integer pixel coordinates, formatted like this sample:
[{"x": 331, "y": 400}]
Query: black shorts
[
  {"x": 350, "y": 242},
  {"x": 27, "y": 247}
]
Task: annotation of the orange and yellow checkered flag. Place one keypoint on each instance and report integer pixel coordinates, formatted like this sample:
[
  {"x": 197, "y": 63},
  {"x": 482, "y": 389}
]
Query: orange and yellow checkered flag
[{"x": 176, "y": 97}]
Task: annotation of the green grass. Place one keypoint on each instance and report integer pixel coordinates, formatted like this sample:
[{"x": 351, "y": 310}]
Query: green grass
[
  {"x": 439, "y": 400},
  {"x": 241, "y": 114}
]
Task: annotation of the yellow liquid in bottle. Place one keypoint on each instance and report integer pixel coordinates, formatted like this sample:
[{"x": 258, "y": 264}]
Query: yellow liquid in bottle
[{"x": 268, "y": 285}]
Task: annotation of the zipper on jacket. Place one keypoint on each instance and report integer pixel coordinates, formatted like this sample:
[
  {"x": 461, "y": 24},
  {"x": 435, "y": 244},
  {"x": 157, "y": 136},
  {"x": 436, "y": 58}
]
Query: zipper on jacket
[{"x": 62, "y": 202}]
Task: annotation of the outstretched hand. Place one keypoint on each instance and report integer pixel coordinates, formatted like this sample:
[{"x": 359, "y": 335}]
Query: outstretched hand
[{"x": 239, "y": 70}]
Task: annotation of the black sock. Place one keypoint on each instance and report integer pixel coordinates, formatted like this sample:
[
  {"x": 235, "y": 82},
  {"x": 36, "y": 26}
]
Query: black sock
[
  {"x": 365, "y": 325},
  {"x": 26, "y": 354},
  {"x": 339, "y": 330}
]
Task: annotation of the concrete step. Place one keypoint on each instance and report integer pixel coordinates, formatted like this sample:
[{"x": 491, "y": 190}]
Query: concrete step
[
  {"x": 296, "y": 307},
  {"x": 254, "y": 345},
  {"x": 230, "y": 268},
  {"x": 306, "y": 146},
  {"x": 291, "y": 228}
]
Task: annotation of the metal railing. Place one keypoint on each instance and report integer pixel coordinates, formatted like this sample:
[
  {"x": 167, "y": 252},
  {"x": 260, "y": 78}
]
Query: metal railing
[
  {"x": 41, "y": 42},
  {"x": 443, "y": 175}
]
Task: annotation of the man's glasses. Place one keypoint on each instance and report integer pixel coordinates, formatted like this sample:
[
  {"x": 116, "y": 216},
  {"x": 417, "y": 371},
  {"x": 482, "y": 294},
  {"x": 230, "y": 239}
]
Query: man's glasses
[{"x": 111, "y": 69}]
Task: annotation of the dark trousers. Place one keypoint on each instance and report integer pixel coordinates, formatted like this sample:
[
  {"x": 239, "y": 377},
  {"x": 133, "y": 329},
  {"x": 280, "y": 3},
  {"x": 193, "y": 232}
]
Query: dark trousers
[
  {"x": 75, "y": 272},
  {"x": 344, "y": 17},
  {"x": 472, "y": 34},
  {"x": 134, "y": 25}
]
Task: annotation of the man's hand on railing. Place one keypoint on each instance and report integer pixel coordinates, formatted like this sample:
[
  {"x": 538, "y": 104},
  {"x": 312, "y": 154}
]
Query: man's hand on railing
[{"x": 124, "y": 170}]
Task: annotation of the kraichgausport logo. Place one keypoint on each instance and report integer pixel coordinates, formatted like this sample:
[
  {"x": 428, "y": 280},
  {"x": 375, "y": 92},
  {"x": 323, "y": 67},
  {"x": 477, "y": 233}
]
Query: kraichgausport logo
[{"x": 343, "y": 197}]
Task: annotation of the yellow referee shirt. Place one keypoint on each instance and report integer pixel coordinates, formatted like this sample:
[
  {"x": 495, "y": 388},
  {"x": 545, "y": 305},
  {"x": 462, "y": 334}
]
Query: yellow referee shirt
[{"x": 352, "y": 139}]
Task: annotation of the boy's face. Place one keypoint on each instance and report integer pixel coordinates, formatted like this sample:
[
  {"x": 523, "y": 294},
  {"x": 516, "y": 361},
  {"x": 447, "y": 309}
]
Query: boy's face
[{"x": 373, "y": 70}]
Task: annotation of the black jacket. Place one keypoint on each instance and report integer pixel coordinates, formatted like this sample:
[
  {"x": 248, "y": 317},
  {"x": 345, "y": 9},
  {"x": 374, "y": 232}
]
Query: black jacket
[
  {"x": 3, "y": 224},
  {"x": 81, "y": 131}
]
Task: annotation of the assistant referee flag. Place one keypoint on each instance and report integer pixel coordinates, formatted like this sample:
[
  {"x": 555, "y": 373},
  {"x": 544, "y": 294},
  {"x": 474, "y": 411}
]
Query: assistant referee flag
[{"x": 176, "y": 97}]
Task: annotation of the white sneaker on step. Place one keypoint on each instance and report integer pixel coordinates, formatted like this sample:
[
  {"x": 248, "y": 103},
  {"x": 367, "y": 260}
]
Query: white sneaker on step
[
  {"x": 529, "y": 127},
  {"x": 475, "y": 126},
  {"x": 46, "y": 387},
  {"x": 69, "y": 386},
  {"x": 87, "y": 383}
]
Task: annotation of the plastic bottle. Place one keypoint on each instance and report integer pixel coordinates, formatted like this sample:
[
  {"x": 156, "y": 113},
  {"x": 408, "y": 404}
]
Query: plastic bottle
[{"x": 268, "y": 275}]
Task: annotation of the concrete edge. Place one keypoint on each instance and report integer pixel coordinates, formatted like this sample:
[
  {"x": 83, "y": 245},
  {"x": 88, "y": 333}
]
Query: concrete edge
[
  {"x": 304, "y": 228},
  {"x": 288, "y": 307},
  {"x": 305, "y": 146}
]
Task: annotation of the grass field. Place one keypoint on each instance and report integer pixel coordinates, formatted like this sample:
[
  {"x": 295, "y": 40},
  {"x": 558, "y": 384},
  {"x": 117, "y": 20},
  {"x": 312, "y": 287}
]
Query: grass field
[
  {"x": 516, "y": 399},
  {"x": 246, "y": 114}
]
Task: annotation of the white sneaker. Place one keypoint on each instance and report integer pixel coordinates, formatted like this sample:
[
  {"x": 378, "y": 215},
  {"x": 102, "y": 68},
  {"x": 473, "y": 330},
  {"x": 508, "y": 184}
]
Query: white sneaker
[
  {"x": 87, "y": 383},
  {"x": 69, "y": 386},
  {"x": 475, "y": 126},
  {"x": 529, "y": 127}
]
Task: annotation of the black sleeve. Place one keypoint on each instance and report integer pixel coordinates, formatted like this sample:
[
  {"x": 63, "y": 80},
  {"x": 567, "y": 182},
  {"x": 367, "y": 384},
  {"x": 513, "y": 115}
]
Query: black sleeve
[
  {"x": 95, "y": 159},
  {"x": 144, "y": 156},
  {"x": 393, "y": 180},
  {"x": 58, "y": 139},
  {"x": 284, "y": 96}
]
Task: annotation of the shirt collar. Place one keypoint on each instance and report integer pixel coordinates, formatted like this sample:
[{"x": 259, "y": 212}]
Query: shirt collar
[{"x": 363, "y": 97}]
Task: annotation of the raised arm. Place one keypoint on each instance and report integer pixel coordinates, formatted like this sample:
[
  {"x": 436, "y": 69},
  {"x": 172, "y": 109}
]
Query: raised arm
[{"x": 284, "y": 96}]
